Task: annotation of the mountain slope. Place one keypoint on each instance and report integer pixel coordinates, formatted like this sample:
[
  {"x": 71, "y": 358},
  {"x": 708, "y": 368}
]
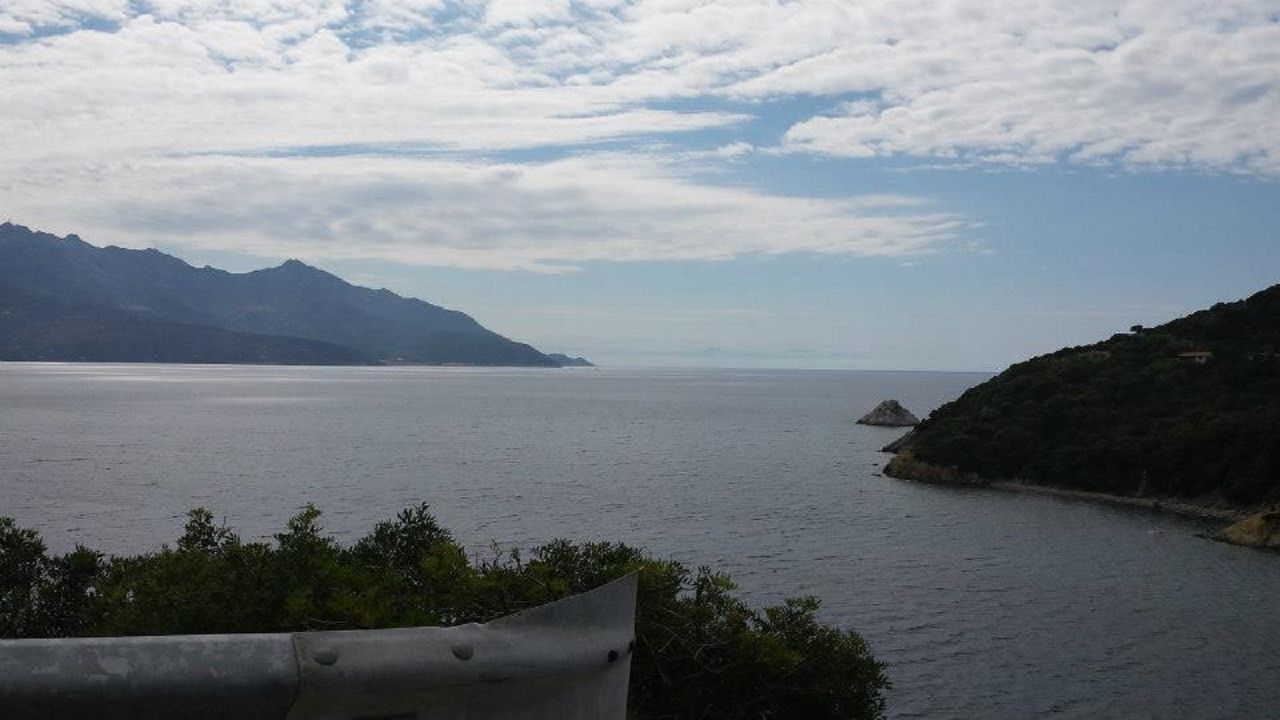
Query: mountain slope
[
  {"x": 293, "y": 300},
  {"x": 570, "y": 361},
  {"x": 39, "y": 328},
  {"x": 1132, "y": 415}
]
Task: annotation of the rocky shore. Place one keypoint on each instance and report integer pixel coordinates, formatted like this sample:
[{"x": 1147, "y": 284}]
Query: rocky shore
[
  {"x": 1260, "y": 530},
  {"x": 904, "y": 466},
  {"x": 1249, "y": 526}
]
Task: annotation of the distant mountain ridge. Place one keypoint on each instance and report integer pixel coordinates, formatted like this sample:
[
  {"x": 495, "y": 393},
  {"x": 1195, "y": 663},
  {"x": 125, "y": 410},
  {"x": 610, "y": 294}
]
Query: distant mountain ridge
[
  {"x": 64, "y": 299},
  {"x": 569, "y": 361}
]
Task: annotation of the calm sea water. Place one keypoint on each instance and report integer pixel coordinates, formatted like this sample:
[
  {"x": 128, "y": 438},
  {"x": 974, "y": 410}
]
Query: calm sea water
[{"x": 986, "y": 604}]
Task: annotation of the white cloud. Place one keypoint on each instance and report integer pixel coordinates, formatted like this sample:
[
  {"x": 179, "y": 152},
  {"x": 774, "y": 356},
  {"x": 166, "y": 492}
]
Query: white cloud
[
  {"x": 735, "y": 150},
  {"x": 1165, "y": 96},
  {"x": 154, "y": 104},
  {"x": 24, "y": 16},
  {"x": 502, "y": 13},
  {"x": 161, "y": 87},
  {"x": 1171, "y": 83},
  {"x": 548, "y": 217}
]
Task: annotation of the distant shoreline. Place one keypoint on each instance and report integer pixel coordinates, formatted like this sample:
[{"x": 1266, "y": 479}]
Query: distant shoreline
[{"x": 225, "y": 363}]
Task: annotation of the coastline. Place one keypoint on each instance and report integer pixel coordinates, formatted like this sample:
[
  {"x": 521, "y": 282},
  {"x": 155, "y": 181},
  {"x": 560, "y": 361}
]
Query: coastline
[
  {"x": 1177, "y": 506},
  {"x": 1256, "y": 527},
  {"x": 903, "y": 466}
]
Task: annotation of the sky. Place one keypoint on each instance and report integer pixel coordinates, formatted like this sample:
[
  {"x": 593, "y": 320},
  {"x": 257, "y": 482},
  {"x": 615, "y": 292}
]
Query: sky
[{"x": 947, "y": 185}]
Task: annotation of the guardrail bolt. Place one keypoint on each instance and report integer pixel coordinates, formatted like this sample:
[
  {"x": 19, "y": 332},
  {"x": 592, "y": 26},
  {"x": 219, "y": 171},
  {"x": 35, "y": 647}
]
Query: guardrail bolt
[
  {"x": 462, "y": 651},
  {"x": 325, "y": 656},
  {"x": 613, "y": 656}
]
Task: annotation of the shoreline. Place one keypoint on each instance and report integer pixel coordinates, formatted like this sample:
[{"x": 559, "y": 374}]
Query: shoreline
[
  {"x": 903, "y": 466},
  {"x": 1255, "y": 527},
  {"x": 1169, "y": 505}
]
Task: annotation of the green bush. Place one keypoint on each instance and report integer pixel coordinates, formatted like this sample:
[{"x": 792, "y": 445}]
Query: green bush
[{"x": 700, "y": 651}]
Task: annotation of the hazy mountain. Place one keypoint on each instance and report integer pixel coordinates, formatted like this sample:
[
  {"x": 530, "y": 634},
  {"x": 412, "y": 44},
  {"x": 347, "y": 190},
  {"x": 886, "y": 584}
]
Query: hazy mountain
[
  {"x": 260, "y": 314},
  {"x": 39, "y": 328},
  {"x": 567, "y": 361}
]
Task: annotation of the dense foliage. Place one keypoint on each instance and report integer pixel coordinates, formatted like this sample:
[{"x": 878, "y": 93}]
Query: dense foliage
[
  {"x": 701, "y": 652},
  {"x": 1129, "y": 416}
]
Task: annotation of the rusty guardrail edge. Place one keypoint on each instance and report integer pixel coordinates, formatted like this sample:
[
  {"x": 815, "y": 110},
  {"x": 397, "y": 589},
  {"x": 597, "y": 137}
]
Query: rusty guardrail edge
[{"x": 566, "y": 659}]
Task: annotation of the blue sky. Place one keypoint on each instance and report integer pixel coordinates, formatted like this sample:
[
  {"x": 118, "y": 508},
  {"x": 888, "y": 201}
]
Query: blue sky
[{"x": 942, "y": 185}]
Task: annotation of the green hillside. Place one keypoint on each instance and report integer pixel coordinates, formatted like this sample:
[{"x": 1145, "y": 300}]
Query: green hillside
[{"x": 1133, "y": 415}]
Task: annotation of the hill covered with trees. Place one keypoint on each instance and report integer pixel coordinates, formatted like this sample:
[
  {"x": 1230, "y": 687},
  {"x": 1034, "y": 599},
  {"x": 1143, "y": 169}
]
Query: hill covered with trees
[{"x": 1189, "y": 409}]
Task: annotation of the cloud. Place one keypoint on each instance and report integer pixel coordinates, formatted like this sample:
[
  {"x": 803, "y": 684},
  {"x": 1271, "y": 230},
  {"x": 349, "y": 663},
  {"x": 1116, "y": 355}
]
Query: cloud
[
  {"x": 221, "y": 84},
  {"x": 1178, "y": 83},
  {"x": 195, "y": 116},
  {"x": 1160, "y": 96},
  {"x": 734, "y": 151},
  {"x": 547, "y": 217},
  {"x": 24, "y": 17}
]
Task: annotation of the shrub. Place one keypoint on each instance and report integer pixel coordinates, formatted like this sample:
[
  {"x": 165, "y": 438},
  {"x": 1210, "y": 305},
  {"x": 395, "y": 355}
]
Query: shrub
[{"x": 701, "y": 652}]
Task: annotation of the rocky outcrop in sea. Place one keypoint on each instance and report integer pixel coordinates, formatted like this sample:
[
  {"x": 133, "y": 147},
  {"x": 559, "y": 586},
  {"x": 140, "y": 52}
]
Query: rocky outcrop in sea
[{"x": 890, "y": 413}]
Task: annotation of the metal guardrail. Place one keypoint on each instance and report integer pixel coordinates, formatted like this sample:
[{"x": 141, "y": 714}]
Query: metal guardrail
[{"x": 567, "y": 659}]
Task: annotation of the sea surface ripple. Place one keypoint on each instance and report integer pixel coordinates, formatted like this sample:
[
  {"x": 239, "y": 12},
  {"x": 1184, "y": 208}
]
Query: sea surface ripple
[{"x": 984, "y": 603}]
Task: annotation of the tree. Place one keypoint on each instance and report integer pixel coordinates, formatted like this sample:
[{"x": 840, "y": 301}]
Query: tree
[{"x": 701, "y": 652}]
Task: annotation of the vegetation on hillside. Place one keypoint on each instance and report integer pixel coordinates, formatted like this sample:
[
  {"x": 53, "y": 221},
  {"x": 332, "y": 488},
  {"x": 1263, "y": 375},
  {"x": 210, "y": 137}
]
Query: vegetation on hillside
[
  {"x": 1130, "y": 415},
  {"x": 701, "y": 652}
]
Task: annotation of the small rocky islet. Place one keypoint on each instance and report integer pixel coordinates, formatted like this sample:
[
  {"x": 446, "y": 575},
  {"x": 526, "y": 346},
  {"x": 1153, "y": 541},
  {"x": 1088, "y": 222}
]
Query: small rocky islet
[{"x": 889, "y": 413}]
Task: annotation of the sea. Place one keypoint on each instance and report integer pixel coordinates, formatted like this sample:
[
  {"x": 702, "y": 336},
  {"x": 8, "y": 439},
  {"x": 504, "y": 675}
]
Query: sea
[{"x": 984, "y": 603}]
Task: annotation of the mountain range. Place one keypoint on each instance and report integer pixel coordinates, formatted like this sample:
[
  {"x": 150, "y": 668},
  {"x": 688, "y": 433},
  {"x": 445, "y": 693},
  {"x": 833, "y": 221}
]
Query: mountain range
[{"x": 63, "y": 299}]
